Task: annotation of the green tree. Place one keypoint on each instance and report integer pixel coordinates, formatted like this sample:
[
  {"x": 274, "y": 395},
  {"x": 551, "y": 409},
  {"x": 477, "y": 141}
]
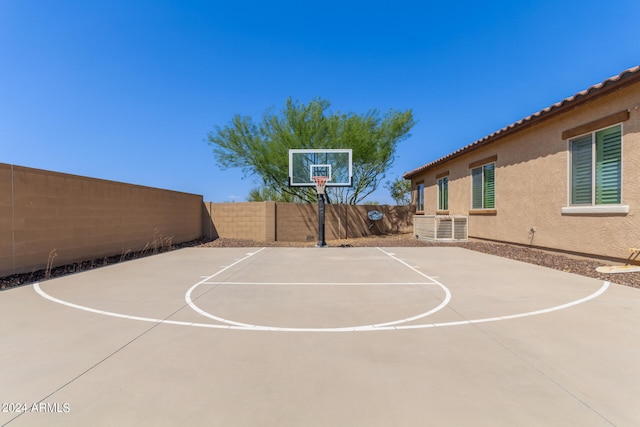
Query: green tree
[
  {"x": 400, "y": 190},
  {"x": 262, "y": 148},
  {"x": 269, "y": 194}
]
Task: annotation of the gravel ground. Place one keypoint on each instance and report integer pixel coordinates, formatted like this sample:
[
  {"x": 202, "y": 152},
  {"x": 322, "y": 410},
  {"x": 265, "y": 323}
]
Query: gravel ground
[{"x": 577, "y": 265}]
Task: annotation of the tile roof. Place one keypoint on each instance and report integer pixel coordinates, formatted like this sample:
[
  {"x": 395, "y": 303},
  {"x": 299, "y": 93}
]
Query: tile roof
[{"x": 626, "y": 77}]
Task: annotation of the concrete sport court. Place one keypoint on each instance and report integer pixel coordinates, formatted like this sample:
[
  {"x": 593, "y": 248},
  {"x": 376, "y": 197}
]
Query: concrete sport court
[{"x": 320, "y": 337}]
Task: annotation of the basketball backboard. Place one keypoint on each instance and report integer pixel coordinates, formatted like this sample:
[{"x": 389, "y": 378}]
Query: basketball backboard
[{"x": 304, "y": 164}]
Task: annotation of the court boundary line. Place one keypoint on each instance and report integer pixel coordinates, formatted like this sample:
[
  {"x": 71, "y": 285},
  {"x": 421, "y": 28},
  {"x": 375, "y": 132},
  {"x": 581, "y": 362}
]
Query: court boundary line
[
  {"x": 600, "y": 291},
  {"x": 323, "y": 283},
  {"x": 389, "y": 326}
]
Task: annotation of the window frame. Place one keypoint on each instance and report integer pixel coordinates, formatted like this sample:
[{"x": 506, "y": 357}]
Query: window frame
[
  {"x": 442, "y": 200},
  {"x": 420, "y": 196},
  {"x": 593, "y": 207},
  {"x": 481, "y": 165}
]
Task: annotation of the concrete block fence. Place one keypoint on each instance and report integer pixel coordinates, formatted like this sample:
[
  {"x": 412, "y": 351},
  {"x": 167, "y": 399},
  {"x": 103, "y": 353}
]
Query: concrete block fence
[{"x": 48, "y": 219}]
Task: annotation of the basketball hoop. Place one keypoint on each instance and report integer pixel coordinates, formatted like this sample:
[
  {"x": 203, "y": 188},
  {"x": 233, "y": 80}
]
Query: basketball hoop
[
  {"x": 321, "y": 182},
  {"x": 316, "y": 167}
]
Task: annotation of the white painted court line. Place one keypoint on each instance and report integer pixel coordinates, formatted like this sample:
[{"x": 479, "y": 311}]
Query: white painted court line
[
  {"x": 389, "y": 326},
  {"x": 599, "y": 292},
  {"x": 321, "y": 283},
  {"x": 442, "y": 304},
  {"x": 197, "y": 309},
  {"x": 43, "y": 294},
  {"x": 603, "y": 288},
  {"x": 39, "y": 290}
]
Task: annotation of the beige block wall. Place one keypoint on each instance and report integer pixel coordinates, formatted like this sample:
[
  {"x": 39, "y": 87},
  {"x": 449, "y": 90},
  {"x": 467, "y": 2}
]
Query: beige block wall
[
  {"x": 6, "y": 220},
  {"x": 80, "y": 218},
  {"x": 252, "y": 220},
  {"x": 532, "y": 182},
  {"x": 298, "y": 222}
]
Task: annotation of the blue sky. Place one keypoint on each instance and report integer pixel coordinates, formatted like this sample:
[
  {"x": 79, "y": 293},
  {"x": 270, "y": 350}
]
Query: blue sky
[{"x": 129, "y": 90}]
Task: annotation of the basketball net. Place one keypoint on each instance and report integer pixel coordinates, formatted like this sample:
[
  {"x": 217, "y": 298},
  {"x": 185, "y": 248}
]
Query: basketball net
[{"x": 321, "y": 182}]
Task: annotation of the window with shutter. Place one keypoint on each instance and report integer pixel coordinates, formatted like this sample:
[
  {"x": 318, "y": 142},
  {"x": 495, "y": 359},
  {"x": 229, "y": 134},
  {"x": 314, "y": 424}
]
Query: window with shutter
[
  {"x": 443, "y": 193},
  {"x": 596, "y": 168},
  {"x": 483, "y": 187},
  {"x": 608, "y": 166},
  {"x": 489, "y": 193},
  {"x": 581, "y": 171}
]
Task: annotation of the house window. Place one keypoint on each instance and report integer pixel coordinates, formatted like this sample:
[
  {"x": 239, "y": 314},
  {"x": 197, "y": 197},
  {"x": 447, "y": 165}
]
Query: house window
[
  {"x": 443, "y": 193},
  {"x": 420, "y": 198},
  {"x": 483, "y": 186},
  {"x": 596, "y": 168}
]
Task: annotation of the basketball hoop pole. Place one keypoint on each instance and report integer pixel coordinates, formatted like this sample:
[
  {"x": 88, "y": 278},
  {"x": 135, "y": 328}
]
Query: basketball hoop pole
[
  {"x": 321, "y": 242},
  {"x": 320, "y": 187}
]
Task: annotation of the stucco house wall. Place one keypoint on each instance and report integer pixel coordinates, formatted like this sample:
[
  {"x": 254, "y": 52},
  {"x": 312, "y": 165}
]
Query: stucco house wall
[{"x": 532, "y": 176}]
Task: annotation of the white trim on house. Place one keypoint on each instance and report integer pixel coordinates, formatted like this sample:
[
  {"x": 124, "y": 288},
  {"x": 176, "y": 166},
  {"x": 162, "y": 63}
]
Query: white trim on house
[{"x": 596, "y": 209}]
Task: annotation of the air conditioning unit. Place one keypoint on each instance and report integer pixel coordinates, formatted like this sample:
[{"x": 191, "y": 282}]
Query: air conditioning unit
[{"x": 441, "y": 227}]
